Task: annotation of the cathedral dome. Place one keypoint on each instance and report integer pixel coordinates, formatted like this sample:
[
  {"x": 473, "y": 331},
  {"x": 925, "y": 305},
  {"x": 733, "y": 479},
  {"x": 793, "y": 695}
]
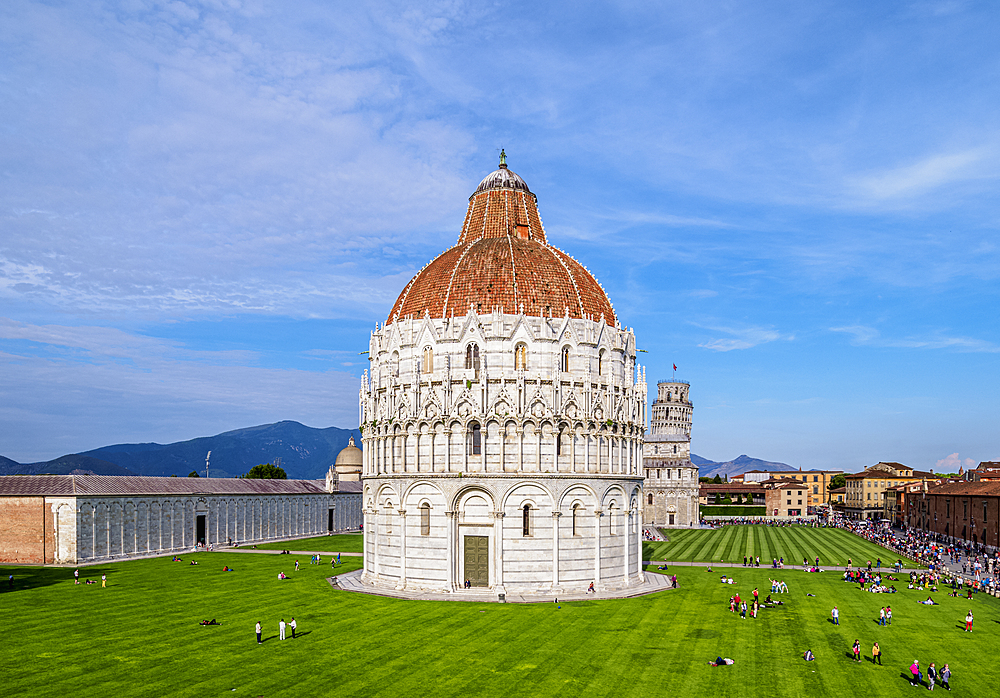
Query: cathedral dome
[
  {"x": 503, "y": 261},
  {"x": 349, "y": 460}
]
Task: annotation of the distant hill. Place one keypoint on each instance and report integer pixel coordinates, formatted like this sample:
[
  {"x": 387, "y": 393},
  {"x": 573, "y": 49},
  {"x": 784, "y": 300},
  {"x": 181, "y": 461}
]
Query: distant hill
[
  {"x": 73, "y": 464},
  {"x": 306, "y": 453},
  {"x": 737, "y": 466}
]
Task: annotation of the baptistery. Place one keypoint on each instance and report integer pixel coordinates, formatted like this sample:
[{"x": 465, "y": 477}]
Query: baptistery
[{"x": 502, "y": 418}]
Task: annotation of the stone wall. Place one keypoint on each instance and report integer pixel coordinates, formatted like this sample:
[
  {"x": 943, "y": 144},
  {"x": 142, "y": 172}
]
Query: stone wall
[{"x": 27, "y": 531}]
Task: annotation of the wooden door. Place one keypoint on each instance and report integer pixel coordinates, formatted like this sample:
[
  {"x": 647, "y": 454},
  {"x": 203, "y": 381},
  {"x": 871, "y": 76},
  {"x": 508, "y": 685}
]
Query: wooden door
[{"x": 477, "y": 560}]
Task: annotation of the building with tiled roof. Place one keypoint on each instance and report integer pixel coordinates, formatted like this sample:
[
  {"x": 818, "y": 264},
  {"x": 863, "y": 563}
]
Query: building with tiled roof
[
  {"x": 968, "y": 511},
  {"x": 74, "y": 519},
  {"x": 502, "y": 417},
  {"x": 866, "y": 491}
]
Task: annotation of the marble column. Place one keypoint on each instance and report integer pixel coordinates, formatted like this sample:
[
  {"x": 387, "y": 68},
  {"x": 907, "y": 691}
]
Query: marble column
[
  {"x": 555, "y": 550},
  {"x": 402, "y": 549}
]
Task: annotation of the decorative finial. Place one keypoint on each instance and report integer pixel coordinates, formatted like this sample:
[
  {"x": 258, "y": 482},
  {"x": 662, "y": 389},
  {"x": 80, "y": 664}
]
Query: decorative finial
[{"x": 503, "y": 158}]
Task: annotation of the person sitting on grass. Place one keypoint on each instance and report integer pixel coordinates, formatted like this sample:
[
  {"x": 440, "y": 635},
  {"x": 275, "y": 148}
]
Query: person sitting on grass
[
  {"x": 192, "y": 563},
  {"x": 809, "y": 656},
  {"x": 720, "y": 661},
  {"x": 928, "y": 602},
  {"x": 281, "y": 575},
  {"x": 227, "y": 568},
  {"x": 209, "y": 622}
]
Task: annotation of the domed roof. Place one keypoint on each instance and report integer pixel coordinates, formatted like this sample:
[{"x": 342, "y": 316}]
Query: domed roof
[
  {"x": 503, "y": 261},
  {"x": 349, "y": 458}
]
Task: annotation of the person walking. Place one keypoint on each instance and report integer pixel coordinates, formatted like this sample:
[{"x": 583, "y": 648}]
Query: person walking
[
  {"x": 968, "y": 622},
  {"x": 931, "y": 676},
  {"x": 888, "y": 615},
  {"x": 257, "y": 628},
  {"x": 835, "y": 613},
  {"x": 881, "y": 617},
  {"x": 293, "y": 625},
  {"x": 876, "y": 654},
  {"x": 104, "y": 583},
  {"x": 296, "y": 565},
  {"x": 281, "y": 629},
  {"x": 946, "y": 677},
  {"x": 856, "y": 649},
  {"x": 76, "y": 576},
  {"x": 743, "y": 611},
  {"x": 915, "y": 673},
  {"x": 744, "y": 560}
]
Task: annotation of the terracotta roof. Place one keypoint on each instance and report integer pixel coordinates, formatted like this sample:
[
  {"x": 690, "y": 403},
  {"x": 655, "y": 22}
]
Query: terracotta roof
[
  {"x": 502, "y": 260},
  {"x": 69, "y": 485},
  {"x": 973, "y": 489}
]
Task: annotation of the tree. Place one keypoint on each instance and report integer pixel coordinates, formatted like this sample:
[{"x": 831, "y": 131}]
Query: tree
[
  {"x": 194, "y": 473},
  {"x": 717, "y": 480},
  {"x": 836, "y": 481},
  {"x": 266, "y": 471},
  {"x": 704, "y": 479}
]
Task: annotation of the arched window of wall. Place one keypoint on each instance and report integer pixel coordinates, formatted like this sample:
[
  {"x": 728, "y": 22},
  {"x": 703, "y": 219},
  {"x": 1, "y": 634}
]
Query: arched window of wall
[
  {"x": 564, "y": 360},
  {"x": 576, "y": 519},
  {"x": 472, "y": 358},
  {"x": 526, "y": 520},
  {"x": 428, "y": 366},
  {"x": 650, "y": 498},
  {"x": 475, "y": 440},
  {"x": 425, "y": 519},
  {"x": 612, "y": 512},
  {"x": 521, "y": 357},
  {"x": 600, "y": 363}
]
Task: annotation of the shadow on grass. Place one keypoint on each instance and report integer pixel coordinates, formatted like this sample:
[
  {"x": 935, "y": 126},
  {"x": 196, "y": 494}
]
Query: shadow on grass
[
  {"x": 908, "y": 677},
  {"x": 28, "y": 578}
]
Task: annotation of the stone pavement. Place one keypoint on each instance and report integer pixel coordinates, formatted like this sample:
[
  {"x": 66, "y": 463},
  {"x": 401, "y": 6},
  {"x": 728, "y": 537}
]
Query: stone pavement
[{"x": 351, "y": 581}]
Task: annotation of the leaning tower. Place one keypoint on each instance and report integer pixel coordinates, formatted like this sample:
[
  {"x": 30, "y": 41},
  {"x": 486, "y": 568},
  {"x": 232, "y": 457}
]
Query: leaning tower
[{"x": 671, "y": 478}]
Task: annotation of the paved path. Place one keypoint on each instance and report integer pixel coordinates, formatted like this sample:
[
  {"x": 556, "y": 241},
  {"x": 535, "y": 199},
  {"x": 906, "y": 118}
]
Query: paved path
[{"x": 351, "y": 581}]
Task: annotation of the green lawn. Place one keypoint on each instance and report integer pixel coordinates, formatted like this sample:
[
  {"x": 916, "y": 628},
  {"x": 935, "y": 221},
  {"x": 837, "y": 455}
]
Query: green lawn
[
  {"x": 339, "y": 543},
  {"x": 730, "y": 543},
  {"x": 140, "y": 637}
]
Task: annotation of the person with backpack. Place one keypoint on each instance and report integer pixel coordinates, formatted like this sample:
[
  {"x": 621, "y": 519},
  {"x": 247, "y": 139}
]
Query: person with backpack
[
  {"x": 946, "y": 677},
  {"x": 856, "y": 649},
  {"x": 876, "y": 654}
]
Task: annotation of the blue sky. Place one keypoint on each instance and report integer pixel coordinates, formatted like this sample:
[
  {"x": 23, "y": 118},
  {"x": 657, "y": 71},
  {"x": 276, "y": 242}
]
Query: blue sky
[{"x": 205, "y": 207}]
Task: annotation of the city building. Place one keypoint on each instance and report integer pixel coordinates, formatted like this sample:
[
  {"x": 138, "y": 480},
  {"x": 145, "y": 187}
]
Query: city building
[
  {"x": 969, "y": 511},
  {"x": 671, "y": 485},
  {"x": 785, "y": 497},
  {"x": 502, "y": 417},
  {"x": 866, "y": 491},
  {"x": 987, "y": 471}
]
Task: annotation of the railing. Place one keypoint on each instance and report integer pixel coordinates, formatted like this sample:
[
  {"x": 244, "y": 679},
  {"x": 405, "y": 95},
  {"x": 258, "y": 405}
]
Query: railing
[{"x": 673, "y": 380}]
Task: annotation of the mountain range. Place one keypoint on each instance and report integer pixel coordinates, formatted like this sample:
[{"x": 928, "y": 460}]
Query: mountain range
[
  {"x": 306, "y": 453},
  {"x": 740, "y": 464}
]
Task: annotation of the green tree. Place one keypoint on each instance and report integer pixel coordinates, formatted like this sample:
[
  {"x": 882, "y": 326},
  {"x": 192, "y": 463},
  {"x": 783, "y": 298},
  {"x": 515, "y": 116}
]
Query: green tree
[
  {"x": 266, "y": 471},
  {"x": 194, "y": 473},
  {"x": 836, "y": 481},
  {"x": 704, "y": 479},
  {"x": 717, "y": 480}
]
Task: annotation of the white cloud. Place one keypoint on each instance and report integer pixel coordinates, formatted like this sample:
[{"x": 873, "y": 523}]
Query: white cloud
[
  {"x": 951, "y": 464},
  {"x": 742, "y": 338},
  {"x": 929, "y": 173},
  {"x": 869, "y": 336}
]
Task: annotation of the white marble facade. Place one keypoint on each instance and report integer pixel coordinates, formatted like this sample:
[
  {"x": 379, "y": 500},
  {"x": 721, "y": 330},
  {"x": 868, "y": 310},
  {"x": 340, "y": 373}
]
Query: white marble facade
[
  {"x": 502, "y": 449},
  {"x": 671, "y": 487}
]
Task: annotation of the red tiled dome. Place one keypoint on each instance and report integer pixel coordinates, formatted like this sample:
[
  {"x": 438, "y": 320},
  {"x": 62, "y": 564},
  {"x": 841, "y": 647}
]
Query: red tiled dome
[{"x": 502, "y": 260}]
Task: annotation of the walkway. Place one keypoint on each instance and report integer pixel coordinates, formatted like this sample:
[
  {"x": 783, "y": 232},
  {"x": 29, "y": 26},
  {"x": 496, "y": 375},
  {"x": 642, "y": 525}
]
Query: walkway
[{"x": 351, "y": 581}]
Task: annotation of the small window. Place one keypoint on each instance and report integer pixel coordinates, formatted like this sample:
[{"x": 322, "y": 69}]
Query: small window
[
  {"x": 564, "y": 361},
  {"x": 476, "y": 444},
  {"x": 472, "y": 356},
  {"x": 600, "y": 363},
  {"x": 526, "y": 520},
  {"x": 559, "y": 442},
  {"x": 576, "y": 519},
  {"x": 425, "y": 519},
  {"x": 428, "y": 366},
  {"x": 675, "y": 448},
  {"x": 650, "y": 498},
  {"x": 521, "y": 357},
  {"x": 611, "y": 520}
]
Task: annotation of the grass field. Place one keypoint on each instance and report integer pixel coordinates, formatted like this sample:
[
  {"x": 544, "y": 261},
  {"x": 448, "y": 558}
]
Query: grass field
[
  {"x": 340, "y": 543},
  {"x": 139, "y": 637},
  {"x": 833, "y": 546}
]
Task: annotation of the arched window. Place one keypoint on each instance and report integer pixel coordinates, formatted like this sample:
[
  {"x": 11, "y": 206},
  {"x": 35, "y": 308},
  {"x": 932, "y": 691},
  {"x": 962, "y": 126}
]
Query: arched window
[
  {"x": 576, "y": 518},
  {"x": 476, "y": 440},
  {"x": 600, "y": 363},
  {"x": 526, "y": 520},
  {"x": 521, "y": 357},
  {"x": 425, "y": 519},
  {"x": 472, "y": 356},
  {"x": 675, "y": 448},
  {"x": 611, "y": 519},
  {"x": 428, "y": 366},
  {"x": 668, "y": 397},
  {"x": 564, "y": 360},
  {"x": 394, "y": 363},
  {"x": 559, "y": 442},
  {"x": 650, "y": 498}
]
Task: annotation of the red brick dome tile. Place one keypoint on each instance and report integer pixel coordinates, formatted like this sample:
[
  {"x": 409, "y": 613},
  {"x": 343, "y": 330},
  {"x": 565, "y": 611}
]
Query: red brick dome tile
[{"x": 502, "y": 260}]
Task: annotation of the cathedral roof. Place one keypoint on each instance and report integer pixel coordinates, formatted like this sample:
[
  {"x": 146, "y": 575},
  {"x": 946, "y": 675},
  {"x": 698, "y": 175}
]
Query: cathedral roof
[{"x": 502, "y": 260}]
